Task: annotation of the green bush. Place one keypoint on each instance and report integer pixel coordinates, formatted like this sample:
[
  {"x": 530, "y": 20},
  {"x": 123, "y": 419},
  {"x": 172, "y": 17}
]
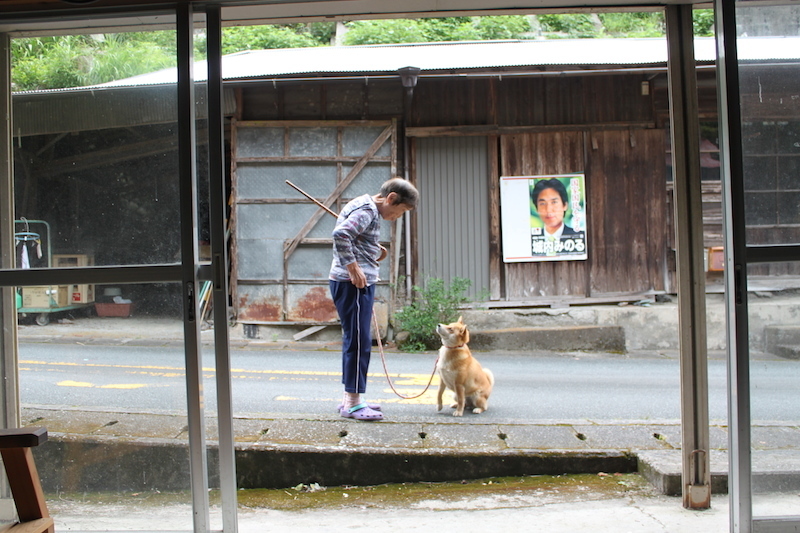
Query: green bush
[{"x": 433, "y": 304}]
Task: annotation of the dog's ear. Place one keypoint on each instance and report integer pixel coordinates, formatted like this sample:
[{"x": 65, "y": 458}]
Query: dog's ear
[
  {"x": 460, "y": 321},
  {"x": 466, "y": 335}
]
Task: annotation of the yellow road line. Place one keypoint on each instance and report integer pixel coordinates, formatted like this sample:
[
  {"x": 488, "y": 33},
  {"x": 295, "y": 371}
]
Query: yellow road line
[
  {"x": 403, "y": 379},
  {"x": 86, "y": 384}
]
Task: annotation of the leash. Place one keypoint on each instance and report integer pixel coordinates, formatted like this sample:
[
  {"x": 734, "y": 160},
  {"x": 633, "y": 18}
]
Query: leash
[
  {"x": 374, "y": 318},
  {"x": 386, "y": 371}
]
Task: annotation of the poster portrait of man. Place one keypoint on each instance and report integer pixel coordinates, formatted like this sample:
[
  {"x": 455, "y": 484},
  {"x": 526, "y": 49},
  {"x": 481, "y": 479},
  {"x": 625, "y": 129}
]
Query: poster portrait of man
[{"x": 543, "y": 218}]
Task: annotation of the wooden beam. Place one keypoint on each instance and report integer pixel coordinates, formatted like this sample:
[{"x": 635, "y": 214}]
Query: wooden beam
[
  {"x": 111, "y": 156},
  {"x": 493, "y": 129},
  {"x": 306, "y": 332},
  {"x": 308, "y": 123},
  {"x": 306, "y": 159}
]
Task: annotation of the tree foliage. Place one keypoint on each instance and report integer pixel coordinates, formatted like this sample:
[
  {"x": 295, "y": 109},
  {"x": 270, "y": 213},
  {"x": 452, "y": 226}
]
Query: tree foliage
[
  {"x": 383, "y": 32},
  {"x": 76, "y": 61},
  {"x": 240, "y": 38},
  {"x": 436, "y": 30},
  {"x": 577, "y": 26},
  {"x": 703, "y": 22},
  {"x": 641, "y": 24}
]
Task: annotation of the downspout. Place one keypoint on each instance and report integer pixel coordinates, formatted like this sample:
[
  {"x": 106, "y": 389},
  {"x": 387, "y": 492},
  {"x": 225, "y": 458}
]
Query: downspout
[{"x": 409, "y": 77}]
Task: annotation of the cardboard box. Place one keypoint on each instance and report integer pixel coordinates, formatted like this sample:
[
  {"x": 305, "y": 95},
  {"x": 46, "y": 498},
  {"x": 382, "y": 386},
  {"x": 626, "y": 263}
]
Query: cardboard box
[
  {"x": 45, "y": 297},
  {"x": 78, "y": 294},
  {"x": 72, "y": 260},
  {"x": 716, "y": 259},
  {"x": 81, "y": 294}
]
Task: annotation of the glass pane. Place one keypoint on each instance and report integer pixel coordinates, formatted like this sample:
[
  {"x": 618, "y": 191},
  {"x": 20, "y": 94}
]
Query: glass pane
[
  {"x": 770, "y": 122},
  {"x": 108, "y": 382},
  {"x": 773, "y": 307},
  {"x": 95, "y": 151},
  {"x": 7, "y": 509},
  {"x": 96, "y": 183}
]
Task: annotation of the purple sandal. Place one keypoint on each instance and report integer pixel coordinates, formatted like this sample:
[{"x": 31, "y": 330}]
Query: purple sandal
[
  {"x": 362, "y": 412},
  {"x": 373, "y": 406}
]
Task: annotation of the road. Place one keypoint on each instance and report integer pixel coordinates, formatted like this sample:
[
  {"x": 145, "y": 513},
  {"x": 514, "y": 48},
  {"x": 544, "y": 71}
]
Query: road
[{"x": 284, "y": 382}]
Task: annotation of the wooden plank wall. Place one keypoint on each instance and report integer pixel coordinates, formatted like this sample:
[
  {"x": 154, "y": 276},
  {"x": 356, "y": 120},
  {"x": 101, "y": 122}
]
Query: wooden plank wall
[
  {"x": 533, "y": 154},
  {"x": 520, "y": 101},
  {"x": 626, "y": 210}
]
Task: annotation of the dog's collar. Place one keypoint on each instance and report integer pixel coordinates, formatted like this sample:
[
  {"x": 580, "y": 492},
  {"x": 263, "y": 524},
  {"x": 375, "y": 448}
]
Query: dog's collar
[{"x": 459, "y": 346}]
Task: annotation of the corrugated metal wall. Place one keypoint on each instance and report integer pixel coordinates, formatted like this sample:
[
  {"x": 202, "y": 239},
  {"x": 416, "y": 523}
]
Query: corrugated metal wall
[{"x": 452, "y": 175}]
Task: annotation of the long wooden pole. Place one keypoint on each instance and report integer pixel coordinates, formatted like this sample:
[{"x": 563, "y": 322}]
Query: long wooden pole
[{"x": 301, "y": 191}]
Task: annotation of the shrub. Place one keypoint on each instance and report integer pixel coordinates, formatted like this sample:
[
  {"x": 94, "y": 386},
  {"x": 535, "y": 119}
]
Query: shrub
[{"x": 433, "y": 304}]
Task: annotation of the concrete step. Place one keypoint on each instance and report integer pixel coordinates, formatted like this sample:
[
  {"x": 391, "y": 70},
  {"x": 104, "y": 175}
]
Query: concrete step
[
  {"x": 773, "y": 470},
  {"x": 559, "y": 338},
  {"x": 787, "y": 352},
  {"x": 783, "y": 340}
]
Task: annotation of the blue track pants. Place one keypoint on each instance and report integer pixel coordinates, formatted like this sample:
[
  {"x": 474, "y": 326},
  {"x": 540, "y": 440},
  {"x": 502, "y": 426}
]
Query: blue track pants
[{"x": 355, "y": 313}]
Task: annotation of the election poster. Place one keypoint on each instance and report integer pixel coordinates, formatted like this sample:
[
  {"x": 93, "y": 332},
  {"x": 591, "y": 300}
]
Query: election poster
[{"x": 543, "y": 218}]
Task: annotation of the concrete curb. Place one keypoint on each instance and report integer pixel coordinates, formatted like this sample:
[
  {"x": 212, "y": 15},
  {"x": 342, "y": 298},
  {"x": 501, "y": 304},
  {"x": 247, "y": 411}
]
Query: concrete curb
[
  {"x": 79, "y": 463},
  {"x": 560, "y": 339},
  {"x": 107, "y": 450}
]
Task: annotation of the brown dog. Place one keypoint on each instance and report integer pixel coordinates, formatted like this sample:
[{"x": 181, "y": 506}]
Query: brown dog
[{"x": 460, "y": 372}]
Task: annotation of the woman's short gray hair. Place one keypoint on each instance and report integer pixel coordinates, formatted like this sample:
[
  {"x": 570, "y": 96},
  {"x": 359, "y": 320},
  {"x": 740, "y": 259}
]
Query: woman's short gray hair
[{"x": 406, "y": 193}]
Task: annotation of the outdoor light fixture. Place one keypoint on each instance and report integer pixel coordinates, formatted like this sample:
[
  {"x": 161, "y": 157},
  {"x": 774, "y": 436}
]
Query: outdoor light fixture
[{"x": 409, "y": 76}]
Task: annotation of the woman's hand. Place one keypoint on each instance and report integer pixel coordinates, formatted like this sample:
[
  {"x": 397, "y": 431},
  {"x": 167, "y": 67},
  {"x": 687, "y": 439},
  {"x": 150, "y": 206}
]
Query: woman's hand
[
  {"x": 383, "y": 254},
  {"x": 357, "y": 276}
]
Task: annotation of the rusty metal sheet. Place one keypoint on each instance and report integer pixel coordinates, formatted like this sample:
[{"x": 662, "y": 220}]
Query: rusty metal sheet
[
  {"x": 260, "y": 303},
  {"x": 310, "y": 303}
]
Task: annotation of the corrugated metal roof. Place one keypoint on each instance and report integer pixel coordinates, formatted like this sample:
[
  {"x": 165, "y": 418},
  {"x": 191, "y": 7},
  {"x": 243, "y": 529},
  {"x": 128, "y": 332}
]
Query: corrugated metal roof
[
  {"x": 34, "y": 114},
  {"x": 52, "y": 112},
  {"x": 434, "y": 57}
]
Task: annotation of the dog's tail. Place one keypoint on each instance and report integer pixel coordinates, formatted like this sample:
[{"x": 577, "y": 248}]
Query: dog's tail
[{"x": 489, "y": 375}]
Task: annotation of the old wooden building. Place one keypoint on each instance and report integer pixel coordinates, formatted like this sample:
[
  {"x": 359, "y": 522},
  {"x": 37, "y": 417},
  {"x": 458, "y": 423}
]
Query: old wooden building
[{"x": 476, "y": 112}]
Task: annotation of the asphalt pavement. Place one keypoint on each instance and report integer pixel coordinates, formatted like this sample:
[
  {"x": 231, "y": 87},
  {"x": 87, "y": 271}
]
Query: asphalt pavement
[{"x": 111, "y": 450}]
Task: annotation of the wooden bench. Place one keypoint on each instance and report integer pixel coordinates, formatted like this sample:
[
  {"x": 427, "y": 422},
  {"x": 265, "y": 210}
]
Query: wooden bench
[{"x": 15, "y": 449}]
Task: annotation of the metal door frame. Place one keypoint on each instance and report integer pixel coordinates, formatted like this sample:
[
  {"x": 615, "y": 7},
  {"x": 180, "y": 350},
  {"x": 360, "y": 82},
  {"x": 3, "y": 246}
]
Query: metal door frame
[
  {"x": 188, "y": 272},
  {"x": 737, "y": 256}
]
